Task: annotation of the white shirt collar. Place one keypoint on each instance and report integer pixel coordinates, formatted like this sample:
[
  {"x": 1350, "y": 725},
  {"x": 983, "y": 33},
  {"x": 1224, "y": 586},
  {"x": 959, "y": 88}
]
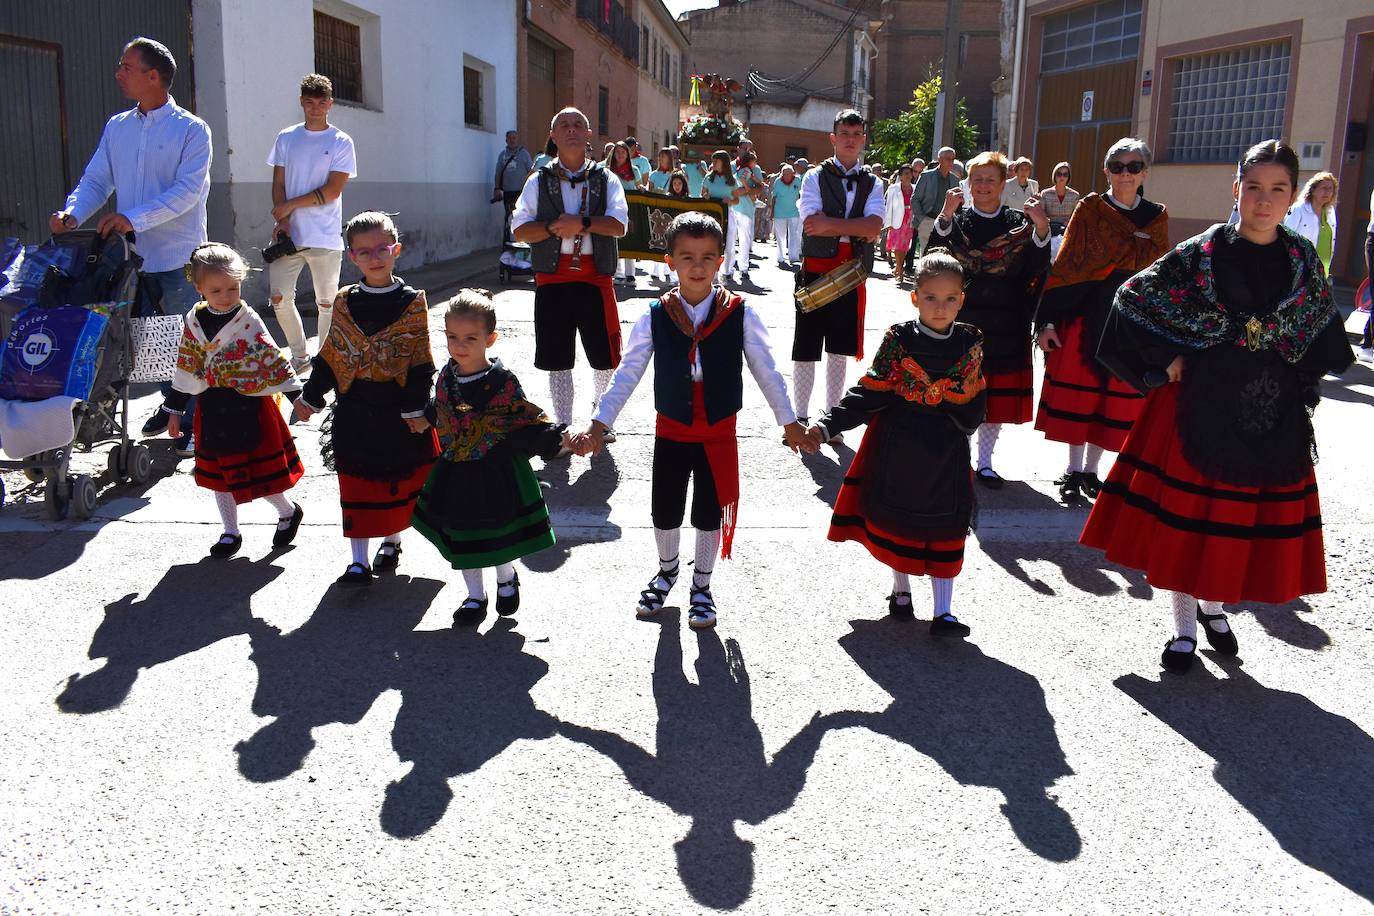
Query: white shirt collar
[
  {"x": 1131, "y": 206},
  {"x": 931, "y": 332},
  {"x": 985, "y": 213}
]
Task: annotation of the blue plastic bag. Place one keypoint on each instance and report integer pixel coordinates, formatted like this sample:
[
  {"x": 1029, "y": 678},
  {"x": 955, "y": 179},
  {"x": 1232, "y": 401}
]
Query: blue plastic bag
[
  {"x": 50, "y": 353},
  {"x": 23, "y": 274}
]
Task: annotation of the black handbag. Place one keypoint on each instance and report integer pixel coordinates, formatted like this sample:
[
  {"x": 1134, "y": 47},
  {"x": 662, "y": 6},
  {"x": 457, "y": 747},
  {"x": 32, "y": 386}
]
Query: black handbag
[{"x": 279, "y": 249}]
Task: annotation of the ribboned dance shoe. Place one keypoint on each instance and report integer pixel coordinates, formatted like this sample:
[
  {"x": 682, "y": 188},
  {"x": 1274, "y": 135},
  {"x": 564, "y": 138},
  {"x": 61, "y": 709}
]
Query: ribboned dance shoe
[
  {"x": 1179, "y": 660},
  {"x": 652, "y": 597},
  {"x": 226, "y": 546},
  {"x": 701, "y": 611}
]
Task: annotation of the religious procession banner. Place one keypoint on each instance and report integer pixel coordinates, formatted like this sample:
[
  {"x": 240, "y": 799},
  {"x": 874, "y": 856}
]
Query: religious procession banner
[{"x": 650, "y": 212}]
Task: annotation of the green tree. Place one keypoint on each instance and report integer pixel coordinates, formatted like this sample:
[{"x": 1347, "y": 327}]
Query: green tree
[{"x": 899, "y": 140}]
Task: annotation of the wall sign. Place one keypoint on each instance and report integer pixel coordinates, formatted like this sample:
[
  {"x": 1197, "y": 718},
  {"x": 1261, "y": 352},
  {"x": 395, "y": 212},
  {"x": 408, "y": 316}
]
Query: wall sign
[{"x": 1087, "y": 114}]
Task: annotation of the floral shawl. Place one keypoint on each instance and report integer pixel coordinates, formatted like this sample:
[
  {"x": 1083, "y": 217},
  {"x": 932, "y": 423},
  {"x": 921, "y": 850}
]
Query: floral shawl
[
  {"x": 1176, "y": 300},
  {"x": 895, "y": 370},
  {"x": 387, "y": 356},
  {"x": 468, "y": 432},
  {"x": 242, "y": 356}
]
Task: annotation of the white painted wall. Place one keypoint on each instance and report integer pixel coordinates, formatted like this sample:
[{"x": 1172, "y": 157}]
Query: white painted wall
[
  {"x": 415, "y": 154},
  {"x": 814, "y": 114}
]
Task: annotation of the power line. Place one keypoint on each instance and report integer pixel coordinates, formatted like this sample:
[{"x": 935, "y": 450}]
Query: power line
[{"x": 768, "y": 84}]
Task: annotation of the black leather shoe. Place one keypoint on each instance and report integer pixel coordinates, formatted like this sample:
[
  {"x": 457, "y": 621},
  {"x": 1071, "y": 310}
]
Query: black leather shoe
[
  {"x": 157, "y": 423},
  {"x": 470, "y": 612},
  {"x": 508, "y": 604},
  {"x": 356, "y": 576},
  {"x": 1175, "y": 661},
  {"x": 388, "y": 557},
  {"x": 1091, "y": 484},
  {"x": 990, "y": 478},
  {"x": 284, "y": 536},
  {"x": 898, "y": 610},
  {"x": 1221, "y": 643},
  {"x": 226, "y": 546},
  {"x": 1070, "y": 486},
  {"x": 948, "y": 625}
]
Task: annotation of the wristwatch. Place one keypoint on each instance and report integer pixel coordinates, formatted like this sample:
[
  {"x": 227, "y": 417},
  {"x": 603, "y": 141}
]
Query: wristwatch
[{"x": 586, "y": 222}]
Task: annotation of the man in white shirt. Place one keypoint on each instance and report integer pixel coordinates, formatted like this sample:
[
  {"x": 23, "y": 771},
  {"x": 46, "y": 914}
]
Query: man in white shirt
[
  {"x": 155, "y": 159},
  {"x": 571, "y": 215},
  {"x": 842, "y": 206},
  {"x": 311, "y": 162}
]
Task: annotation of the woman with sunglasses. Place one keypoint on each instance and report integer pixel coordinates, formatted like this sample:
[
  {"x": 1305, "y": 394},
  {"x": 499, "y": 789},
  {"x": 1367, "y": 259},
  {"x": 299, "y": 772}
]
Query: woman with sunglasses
[
  {"x": 1109, "y": 238},
  {"x": 1059, "y": 202},
  {"x": 377, "y": 362}
]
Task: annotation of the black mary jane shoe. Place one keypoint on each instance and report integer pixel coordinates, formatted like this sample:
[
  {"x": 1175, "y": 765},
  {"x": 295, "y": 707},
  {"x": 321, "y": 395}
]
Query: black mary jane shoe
[
  {"x": 990, "y": 478},
  {"x": 470, "y": 612},
  {"x": 948, "y": 625},
  {"x": 508, "y": 604},
  {"x": 226, "y": 546},
  {"x": 358, "y": 575},
  {"x": 1091, "y": 484},
  {"x": 1176, "y": 661},
  {"x": 897, "y": 609},
  {"x": 284, "y": 536},
  {"x": 388, "y": 557},
  {"x": 1221, "y": 643},
  {"x": 1070, "y": 487}
]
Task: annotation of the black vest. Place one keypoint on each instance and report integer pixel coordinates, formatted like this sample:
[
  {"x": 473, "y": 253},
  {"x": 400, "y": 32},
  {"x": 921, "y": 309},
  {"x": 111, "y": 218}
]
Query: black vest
[
  {"x": 832, "y": 189},
  {"x": 722, "y": 367},
  {"x": 544, "y": 254}
]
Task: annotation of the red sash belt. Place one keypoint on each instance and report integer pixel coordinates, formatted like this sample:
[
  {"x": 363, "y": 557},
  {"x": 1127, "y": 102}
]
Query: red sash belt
[
  {"x": 845, "y": 252},
  {"x": 605, "y": 283},
  {"x": 722, "y": 454}
]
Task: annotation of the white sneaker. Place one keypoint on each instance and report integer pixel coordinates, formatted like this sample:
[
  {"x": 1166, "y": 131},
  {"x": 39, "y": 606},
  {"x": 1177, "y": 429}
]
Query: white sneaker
[
  {"x": 299, "y": 364},
  {"x": 1365, "y": 354}
]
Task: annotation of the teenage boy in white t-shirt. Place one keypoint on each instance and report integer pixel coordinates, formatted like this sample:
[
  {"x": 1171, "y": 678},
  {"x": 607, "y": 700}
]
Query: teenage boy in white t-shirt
[{"x": 311, "y": 162}]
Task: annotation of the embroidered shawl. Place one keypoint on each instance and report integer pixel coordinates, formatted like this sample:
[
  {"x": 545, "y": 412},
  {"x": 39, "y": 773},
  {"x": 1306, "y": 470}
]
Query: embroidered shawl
[
  {"x": 1002, "y": 256},
  {"x": 387, "y": 356},
  {"x": 895, "y": 370},
  {"x": 1176, "y": 299},
  {"x": 242, "y": 356},
  {"x": 1101, "y": 239},
  {"x": 468, "y": 432}
]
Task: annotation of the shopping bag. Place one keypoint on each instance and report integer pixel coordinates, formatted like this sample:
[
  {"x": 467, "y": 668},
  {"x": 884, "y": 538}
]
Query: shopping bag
[
  {"x": 155, "y": 344},
  {"x": 51, "y": 352}
]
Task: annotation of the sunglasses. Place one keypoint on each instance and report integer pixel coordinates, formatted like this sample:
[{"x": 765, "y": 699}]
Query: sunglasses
[
  {"x": 380, "y": 252},
  {"x": 1135, "y": 168},
  {"x": 1062, "y": 175}
]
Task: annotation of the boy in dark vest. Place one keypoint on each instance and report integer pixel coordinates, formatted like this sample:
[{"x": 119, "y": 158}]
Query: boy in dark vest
[
  {"x": 841, "y": 209},
  {"x": 698, "y": 336},
  {"x": 571, "y": 216}
]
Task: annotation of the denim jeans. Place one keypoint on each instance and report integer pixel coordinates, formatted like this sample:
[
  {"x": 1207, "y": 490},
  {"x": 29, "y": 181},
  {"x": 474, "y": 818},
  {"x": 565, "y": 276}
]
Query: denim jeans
[{"x": 178, "y": 296}]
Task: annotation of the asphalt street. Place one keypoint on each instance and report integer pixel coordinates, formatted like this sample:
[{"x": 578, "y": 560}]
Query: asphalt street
[{"x": 188, "y": 735}]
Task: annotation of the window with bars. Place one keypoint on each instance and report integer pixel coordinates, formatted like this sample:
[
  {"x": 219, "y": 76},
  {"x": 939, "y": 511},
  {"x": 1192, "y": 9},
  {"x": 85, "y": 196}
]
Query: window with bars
[
  {"x": 339, "y": 55},
  {"x": 472, "y": 97},
  {"x": 603, "y": 111},
  {"x": 543, "y": 61},
  {"x": 1223, "y": 103},
  {"x": 644, "y": 46},
  {"x": 1091, "y": 35}
]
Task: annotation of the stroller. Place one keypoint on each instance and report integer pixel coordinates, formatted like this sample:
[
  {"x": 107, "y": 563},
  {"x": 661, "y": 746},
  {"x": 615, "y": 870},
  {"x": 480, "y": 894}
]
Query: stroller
[
  {"x": 515, "y": 261},
  {"x": 91, "y": 284}
]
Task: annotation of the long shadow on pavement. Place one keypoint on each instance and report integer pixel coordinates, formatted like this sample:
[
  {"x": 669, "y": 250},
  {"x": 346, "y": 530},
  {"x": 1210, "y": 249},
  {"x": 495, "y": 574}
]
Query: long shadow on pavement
[
  {"x": 331, "y": 669},
  {"x": 465, "y": 698},
  {"x": 983, "y": 721},
  {"x": 709, "y": 762},
  {"x": 1282, "y": 622},
  {"x": 827, "y": 474},
  {"x": 589, "y": 496},
  {"x": 1306, "y": 774},
  {"x": 179, "y": 616}
]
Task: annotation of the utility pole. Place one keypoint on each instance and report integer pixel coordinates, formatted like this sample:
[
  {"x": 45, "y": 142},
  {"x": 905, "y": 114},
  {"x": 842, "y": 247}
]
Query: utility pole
[{"x": 949, "y": 79}]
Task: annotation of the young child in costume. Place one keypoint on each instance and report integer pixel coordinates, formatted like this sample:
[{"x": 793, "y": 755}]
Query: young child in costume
[
  {"x": 908, "y": 495},
  {"x": 377, "y": 360},
  {"x": 699, "y": 336},
  {"x": 227, "y": 358},
  {"x": 1213, "y": 496},
  {"x": 481, "y": 505}
]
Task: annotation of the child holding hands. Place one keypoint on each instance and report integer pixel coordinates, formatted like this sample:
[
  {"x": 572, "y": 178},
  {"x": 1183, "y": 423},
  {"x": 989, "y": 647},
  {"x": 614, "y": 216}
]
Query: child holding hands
[
  {"x": 243, "y": 449},
  {"x": 482, "y": 506},
  {"x": 908, "y": 495}
]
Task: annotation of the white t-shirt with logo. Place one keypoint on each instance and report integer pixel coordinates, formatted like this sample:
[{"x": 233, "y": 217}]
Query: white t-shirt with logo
[{"x": 308, "y": 157}]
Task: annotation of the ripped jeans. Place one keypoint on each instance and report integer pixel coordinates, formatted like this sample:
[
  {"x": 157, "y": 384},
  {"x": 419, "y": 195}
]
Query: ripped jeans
[{"x": 281, "y": 280}]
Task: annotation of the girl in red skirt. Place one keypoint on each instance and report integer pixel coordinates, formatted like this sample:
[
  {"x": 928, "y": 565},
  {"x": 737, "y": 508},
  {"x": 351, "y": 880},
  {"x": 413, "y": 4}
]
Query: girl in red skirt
[
  {"x": 1004, "y": 253},
  {"x": 377, "y": 360},
  {"x": 1214, "y": 496},
  {"x": 242, "y": 446},
  {"x": 908, "y": 495},
  {"x": 1109, "y": 238}
]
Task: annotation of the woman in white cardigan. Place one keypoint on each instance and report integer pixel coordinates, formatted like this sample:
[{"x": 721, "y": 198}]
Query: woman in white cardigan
[{"x": 1314, "y": 216}]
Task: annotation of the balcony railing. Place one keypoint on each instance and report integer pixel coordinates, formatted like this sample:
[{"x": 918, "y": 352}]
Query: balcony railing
[{"x": 608, "y": 17}]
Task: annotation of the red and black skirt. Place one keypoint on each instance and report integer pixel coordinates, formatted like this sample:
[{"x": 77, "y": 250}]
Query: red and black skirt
[
  {"x": 915, "y": 556},
  {"x": 270, "y": 466},
  {"x": 1082, "y": 404},
  {"x": 377, "y": 508},
  {"x": 1192, "y": 534},
  {"x": 1009, "y": 396}
]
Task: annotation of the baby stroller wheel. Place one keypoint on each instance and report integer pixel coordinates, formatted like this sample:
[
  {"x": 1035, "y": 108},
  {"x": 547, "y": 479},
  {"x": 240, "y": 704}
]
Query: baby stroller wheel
[
  {"x": 33, "y": 474},
  {"x": 140, "y": 464},
  {"x": 117, "y": 466},
  {"x": 55, "y": 499},
  {"x": 83, "y": 496}
]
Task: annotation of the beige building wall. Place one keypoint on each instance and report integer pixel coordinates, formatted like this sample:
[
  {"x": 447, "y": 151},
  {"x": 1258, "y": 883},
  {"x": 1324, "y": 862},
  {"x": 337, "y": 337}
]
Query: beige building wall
[{"x": 662, "y": 48}]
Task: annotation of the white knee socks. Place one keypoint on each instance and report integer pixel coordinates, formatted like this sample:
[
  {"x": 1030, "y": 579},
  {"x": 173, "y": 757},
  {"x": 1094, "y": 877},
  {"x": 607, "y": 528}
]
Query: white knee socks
[
  {"x": 283, "y": 505},
  {"x": 359, "y": 547},
  {"x": 228, "y": 512},
  {"x": 668, "y": 541},
  {"x": 987, "y": 440},
  {"x": 901, "y": 583},
  {"x": 1185, "y": 620},
  {"x": 942, "y": 590},
  {"x": 1075, "y": 459},
  {"x": 834, "y": 378},
  {"x": 803, "y": 380},
  {"x": 505, "y": 580},
  {"x": 561, "y": 393},
  {"x": 472, "y": 578},
  {"x": 708, "y": 545},
  {"x": 1092, "y": 457},
  {"x": 601, "y": 380}
]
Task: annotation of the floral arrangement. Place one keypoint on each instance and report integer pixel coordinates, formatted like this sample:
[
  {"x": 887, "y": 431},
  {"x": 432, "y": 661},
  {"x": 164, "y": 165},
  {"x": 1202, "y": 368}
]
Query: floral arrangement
[{"x": 706, "y": 129}]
